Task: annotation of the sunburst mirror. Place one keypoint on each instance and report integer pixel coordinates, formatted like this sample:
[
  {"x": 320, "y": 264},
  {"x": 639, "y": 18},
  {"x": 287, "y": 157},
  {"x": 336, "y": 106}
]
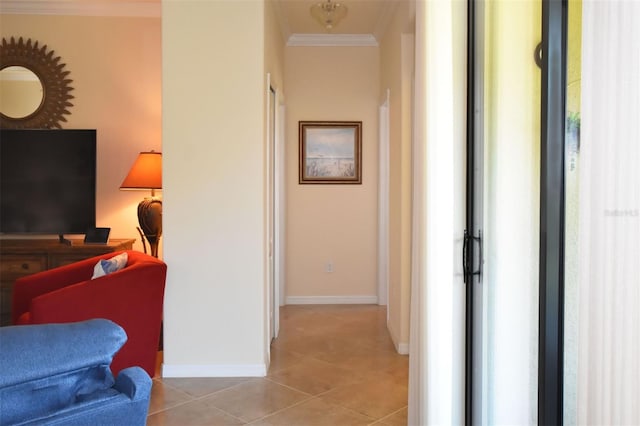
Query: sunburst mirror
[{"x": 34, "y": 88}]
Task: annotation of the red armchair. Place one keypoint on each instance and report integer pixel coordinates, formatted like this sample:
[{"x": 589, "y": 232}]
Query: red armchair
[{"x": 131, "y": 297}]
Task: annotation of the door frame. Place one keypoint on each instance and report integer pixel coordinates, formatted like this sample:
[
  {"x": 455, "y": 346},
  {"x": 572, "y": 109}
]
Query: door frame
[
  {"x": 280, "y": 201},
  {"x": 274, "y": 207},
  {"x": 383, "y": 202},
  {"x": 472, "y": 256},
  {"x": 552, "y": 212}
]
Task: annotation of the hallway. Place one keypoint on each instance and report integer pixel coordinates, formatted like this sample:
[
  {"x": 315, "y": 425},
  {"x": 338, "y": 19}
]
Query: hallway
[{"x": 331, "y": 365}]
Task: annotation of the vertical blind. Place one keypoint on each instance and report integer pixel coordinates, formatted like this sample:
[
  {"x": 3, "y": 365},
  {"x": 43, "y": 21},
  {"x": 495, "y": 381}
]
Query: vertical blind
[{"x": 609, "y": 227}]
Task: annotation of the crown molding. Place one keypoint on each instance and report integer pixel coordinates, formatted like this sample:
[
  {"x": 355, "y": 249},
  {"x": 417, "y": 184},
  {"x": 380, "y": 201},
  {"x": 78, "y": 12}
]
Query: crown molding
[
  {"x": 332, "y": 40},
  {"x": 142, "y": 9}
]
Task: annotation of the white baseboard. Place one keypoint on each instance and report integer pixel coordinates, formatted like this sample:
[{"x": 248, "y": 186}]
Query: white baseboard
[
  {"x": 402, "y": 348},
  {"x": 214, "y": 370},
  {"x": 331, "y": 300}
]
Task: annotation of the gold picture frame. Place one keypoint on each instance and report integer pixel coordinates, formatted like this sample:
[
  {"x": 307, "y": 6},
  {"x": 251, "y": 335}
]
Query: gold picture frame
[{"x": 330, "y": 152}]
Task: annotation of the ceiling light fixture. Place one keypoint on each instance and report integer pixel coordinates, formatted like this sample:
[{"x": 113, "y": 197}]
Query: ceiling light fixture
[{"x": 328, "y": 13}]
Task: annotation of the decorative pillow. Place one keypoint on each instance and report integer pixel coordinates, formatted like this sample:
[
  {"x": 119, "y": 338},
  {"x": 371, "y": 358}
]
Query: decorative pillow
[{"x": 107, "y": 266}]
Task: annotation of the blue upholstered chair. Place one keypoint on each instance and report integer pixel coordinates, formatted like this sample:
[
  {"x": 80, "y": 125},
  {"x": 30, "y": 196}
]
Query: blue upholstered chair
[{"x": 58, "y": 374}]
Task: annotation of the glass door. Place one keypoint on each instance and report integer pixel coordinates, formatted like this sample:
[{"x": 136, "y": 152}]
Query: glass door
[
  {"x": 572, "y": 170},
  {"x": 516, "y": 225},
  {"x": 504, "y": 222}
]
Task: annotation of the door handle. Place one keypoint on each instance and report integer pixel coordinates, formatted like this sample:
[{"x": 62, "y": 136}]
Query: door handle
[{"x": 467, "y": 264}]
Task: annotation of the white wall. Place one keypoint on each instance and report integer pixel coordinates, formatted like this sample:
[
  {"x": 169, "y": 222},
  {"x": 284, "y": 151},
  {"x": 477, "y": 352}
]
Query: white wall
[
  {"x": 214, "y": 215},
  {"x": 397, "y": 64}
]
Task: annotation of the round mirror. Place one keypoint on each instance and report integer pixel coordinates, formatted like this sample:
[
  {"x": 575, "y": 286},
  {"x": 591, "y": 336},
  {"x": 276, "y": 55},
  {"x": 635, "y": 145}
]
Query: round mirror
[
  {"x": 34, "y": 86},
  {"x": 21, "y": 92}
]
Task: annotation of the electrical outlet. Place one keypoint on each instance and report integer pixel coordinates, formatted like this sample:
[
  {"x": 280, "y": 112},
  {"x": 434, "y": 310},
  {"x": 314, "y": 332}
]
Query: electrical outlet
[{"x": 328, "y": 267}]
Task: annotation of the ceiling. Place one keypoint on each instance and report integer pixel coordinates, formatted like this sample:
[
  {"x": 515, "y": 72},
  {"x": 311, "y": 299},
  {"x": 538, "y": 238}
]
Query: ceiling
[
  {"x": 368, "y": 17},
  {"x": 365, "y": 18}
]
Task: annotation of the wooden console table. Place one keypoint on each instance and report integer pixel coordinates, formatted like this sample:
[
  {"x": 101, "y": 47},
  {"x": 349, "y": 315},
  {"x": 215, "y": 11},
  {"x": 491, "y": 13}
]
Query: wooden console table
[{"x": 25, "y": 257}]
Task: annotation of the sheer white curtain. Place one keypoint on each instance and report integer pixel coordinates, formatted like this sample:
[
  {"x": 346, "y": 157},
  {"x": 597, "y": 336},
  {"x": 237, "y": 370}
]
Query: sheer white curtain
[
  {"x": 609, "y": 229},
  {"x": 436, "y": 376}
]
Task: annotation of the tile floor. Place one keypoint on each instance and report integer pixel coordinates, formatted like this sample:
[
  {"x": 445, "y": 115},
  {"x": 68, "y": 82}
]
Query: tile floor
[{"x": 331, "y": 365}]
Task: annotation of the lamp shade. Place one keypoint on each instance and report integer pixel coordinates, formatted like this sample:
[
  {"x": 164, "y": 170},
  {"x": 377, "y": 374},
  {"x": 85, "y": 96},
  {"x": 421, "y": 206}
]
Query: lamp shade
[{"x": 146, "y": 172}]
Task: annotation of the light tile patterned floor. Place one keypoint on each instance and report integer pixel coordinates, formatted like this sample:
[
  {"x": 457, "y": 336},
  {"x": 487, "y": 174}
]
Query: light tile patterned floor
[{"x": 332, "y": 365}]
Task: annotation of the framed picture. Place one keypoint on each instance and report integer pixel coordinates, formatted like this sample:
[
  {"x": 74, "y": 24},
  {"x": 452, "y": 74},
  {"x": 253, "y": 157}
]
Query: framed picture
[{"x": 330, "y": 152}]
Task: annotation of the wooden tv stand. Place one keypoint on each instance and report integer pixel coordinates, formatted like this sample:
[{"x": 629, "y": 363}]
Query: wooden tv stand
[{"x": 25, "y": 257}]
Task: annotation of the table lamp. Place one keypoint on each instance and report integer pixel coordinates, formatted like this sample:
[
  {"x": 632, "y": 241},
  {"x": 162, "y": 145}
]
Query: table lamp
[{"x": 146, "y": 173}]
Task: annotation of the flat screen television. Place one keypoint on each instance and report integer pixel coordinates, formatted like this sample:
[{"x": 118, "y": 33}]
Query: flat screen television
[{"x": 47, "y": 181}]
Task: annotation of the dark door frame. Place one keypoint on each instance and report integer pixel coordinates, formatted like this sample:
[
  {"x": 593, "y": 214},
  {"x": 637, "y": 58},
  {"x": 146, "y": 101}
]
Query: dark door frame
[
  {"x": 552, "y": 214},
  {"x": 468, "y": 247},
  {"x": 552, "y": 194}
]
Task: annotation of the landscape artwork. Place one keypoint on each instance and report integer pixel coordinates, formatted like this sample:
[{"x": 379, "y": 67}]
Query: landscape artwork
[{"x": 330, "y": 152}]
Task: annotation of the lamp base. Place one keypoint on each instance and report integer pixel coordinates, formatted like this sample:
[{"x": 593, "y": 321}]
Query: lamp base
[{"x": 150, "y": 219}]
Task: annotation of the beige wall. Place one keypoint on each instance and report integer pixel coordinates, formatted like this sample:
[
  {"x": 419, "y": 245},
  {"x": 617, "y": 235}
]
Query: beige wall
[
  {"x": 214, "y": 191},
  {"x": 115, "y": 68},
  {"x": 274, "y": 47},
  {"x": 397, "y": 53},
  {"x": 332, "y": 223}
]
